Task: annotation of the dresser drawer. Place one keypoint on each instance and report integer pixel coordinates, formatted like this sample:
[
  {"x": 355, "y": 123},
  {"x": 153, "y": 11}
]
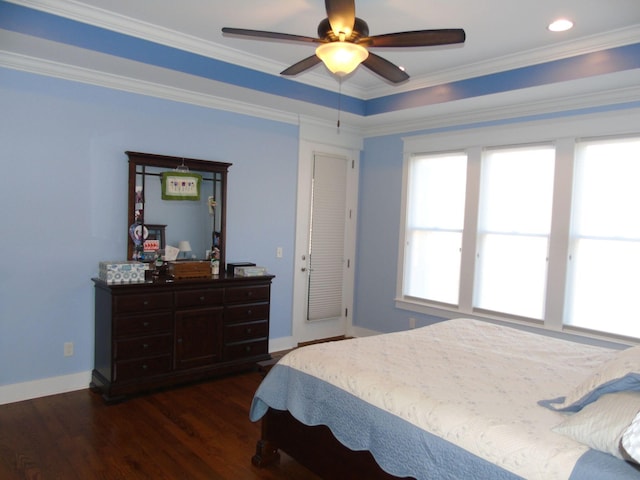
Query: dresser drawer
[
  {"x": 144, "y": 367},
  {"x": 195, "y": 298},
  {"x": 246, "y": 313},
  {"x": 142, "y": 302},
  {"x": 253, "y": 293},
  {"x": 244, "y": 350},
  {"x": 143, "y": 324},
  {"x": 245, "y": 331},
  {"x": 143, "y": 346}
]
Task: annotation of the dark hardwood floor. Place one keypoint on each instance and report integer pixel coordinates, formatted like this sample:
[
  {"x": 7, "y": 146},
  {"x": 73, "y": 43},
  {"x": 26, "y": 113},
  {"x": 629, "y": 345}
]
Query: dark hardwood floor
[{"x": 199, "y": 431}]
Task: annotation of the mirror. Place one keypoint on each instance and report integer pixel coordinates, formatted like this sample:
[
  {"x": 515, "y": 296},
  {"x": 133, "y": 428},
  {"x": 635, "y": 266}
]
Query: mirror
[{"x": 175, "y": 201}]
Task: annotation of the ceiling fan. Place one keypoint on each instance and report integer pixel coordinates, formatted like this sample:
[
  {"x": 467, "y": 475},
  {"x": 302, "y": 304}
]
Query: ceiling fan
[{"x": 344, "y": 41}]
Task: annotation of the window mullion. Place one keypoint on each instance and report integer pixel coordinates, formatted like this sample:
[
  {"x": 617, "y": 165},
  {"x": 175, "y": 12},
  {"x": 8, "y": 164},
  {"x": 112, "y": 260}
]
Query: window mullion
[
  {"x": 469, "y": 236},
  {"x": 560, "y": 232}
]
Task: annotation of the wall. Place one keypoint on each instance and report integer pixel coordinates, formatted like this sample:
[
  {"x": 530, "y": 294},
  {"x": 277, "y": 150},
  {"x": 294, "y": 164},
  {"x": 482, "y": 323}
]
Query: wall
[
  {"x": 64, "y": 209},
  {"x": 64, "y": 201},
  {"x": 378, "y": 234}
]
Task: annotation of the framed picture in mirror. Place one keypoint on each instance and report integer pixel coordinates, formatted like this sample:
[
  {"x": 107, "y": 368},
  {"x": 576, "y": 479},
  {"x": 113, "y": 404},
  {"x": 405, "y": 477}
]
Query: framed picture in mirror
[{"x": 156, "y": 238}]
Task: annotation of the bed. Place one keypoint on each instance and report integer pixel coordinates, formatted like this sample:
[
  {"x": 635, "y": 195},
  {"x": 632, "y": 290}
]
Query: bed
[{"x": 460, "y": 399}]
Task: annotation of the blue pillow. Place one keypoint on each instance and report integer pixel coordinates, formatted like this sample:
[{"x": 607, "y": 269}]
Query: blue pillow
[{"x": 621, "y": 373}]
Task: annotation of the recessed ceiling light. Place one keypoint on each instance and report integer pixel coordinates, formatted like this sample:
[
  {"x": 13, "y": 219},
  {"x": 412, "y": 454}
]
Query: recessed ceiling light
[{"x": 560, "y": 25}]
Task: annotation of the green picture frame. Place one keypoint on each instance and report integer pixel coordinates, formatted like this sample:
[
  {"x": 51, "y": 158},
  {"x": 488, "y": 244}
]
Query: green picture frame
[{"x": 181, "y": 185}]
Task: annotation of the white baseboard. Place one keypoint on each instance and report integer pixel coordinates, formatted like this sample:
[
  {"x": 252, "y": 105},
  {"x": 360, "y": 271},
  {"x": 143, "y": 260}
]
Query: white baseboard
[
  {"x": 363, "y": 332},
  {"x": 281, "y": 344},
  {"x": 18, "y": 392}
]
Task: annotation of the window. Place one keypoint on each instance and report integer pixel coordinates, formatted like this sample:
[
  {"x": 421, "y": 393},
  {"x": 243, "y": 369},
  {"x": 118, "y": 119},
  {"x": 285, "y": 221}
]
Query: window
[
  {"x": 604, "y": 266},
  {"x": 511, "y": 229},
  {"x": 435, "y": 217}
]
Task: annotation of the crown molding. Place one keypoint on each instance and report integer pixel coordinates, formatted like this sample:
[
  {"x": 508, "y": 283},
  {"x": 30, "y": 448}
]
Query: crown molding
[
  {"x": 511, "y": 105},
  {"x": 594, "y": 43},
  {"x": 115, "y": 22},
  {"x": 122, "y": 24},
  {"x": 470, "y": 112},
  {"x": 138, "y": 86}
]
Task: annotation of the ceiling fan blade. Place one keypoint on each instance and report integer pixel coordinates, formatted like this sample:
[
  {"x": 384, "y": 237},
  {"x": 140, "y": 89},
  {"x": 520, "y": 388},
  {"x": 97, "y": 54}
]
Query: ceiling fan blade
[
  {"x": 341, "y": 14},
  {"x": 418, "y": 38},
  {"x": 385, "y": 68},
  {"x": 301, "y": 66},
  {"x": 272, "y": 35}
]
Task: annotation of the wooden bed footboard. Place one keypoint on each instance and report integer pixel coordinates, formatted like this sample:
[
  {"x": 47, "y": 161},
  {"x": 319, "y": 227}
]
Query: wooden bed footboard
[{"x": 314, "y": 447}]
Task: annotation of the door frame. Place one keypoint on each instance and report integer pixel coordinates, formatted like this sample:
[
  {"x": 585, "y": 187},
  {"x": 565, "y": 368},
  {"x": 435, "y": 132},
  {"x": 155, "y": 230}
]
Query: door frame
[{"x": 315, "y": 140}]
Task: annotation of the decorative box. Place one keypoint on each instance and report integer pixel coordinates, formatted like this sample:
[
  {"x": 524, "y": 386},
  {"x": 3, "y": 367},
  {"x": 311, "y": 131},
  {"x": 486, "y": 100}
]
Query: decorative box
[
  {"x": 249, "y": 271},
  {"x": 122, "y": 272},
  {"x": 190, "y": 269},
  {"x": 231, "y": 267}
]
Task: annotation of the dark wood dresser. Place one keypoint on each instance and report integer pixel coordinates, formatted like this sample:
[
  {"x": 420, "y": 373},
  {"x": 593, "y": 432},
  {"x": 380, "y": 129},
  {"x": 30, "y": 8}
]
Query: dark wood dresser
[{"x": 163, "y": 333}]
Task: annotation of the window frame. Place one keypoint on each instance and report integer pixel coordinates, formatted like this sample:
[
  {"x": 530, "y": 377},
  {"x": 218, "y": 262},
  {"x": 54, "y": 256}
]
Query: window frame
[
  {"x": 410, "y": 229},
  {"x": 483, "y": 232},
  {"x": 576, "y": 237},
  {"x": 563, "y": 133}
]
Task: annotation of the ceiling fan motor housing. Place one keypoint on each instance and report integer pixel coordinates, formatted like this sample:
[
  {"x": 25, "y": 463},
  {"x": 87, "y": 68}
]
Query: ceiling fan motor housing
[{"x": 360, "y": 30}]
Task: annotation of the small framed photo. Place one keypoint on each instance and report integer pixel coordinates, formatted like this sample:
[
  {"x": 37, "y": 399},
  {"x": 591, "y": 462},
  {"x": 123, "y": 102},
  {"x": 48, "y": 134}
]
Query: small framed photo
[{"x": 156, "y": 238}]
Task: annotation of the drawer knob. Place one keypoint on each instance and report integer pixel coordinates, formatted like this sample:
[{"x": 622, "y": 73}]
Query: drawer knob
[
  {"x": 145, "y": 324},
  {"x": 249, "y": 294},
  {"x": 145, "y": 303},
  {"x": 202, "y": 298},
  {"x": 249, "y": 312},
  {"x": 248, "y": 330},
  {"x": 145, "y": 345},
  {"x": 247, "y": 348},
  {"x": 144, "y": 367}
]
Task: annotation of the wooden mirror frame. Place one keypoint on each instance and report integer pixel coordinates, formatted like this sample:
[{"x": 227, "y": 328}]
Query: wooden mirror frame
[{"x": 137, "y": 159}]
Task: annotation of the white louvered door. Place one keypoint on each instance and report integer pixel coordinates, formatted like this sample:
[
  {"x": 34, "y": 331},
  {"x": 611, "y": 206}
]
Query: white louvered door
[
  {"x": 325, "y": 242},
  {"x": 326, "y": 255}
]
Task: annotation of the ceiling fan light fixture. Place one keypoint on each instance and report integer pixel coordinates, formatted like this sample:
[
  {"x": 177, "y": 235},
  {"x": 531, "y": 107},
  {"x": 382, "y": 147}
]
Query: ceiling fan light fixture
[{"x": 342, "y": 58}]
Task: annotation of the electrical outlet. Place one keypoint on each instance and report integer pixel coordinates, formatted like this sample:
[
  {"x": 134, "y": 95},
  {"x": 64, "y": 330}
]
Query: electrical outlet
[
  {"x": 279, "y": 252},
  {"x": 412, "y": 322},
  {"x": 68, "y": 349}
]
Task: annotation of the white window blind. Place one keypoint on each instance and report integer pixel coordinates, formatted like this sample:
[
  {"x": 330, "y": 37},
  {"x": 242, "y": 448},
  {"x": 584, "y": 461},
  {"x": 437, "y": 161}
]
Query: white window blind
[
  {"x": 514, "y": 224},
  {"x": 435, "y": 219},
  {"x": 326, "y": 248},
  {"x": 555, "y": 238},
  {"x": 604, "y": 265}
]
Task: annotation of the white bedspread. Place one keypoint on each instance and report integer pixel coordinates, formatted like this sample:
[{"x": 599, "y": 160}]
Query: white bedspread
[{"x": 472, "y": 383}]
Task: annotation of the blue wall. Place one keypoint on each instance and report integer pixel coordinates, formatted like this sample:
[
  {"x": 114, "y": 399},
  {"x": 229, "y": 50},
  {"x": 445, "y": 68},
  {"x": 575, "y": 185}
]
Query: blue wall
[
  {"x": 380, "y": 193},
  {"x": 379, "y": 204},
  {"x": 64, "y": 205},
  {"x": 64, "y": 183}
]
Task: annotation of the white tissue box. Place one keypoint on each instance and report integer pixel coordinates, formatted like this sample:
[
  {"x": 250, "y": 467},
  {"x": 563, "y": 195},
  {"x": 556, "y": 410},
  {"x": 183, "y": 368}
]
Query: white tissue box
[
  {"x": 122, "y": 272},
  {"x": 249, "y": 271}
]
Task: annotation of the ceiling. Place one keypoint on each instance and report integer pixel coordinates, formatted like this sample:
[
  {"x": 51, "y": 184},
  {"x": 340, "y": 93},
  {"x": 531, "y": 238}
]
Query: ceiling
[{"x": 501, "y": 34}]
